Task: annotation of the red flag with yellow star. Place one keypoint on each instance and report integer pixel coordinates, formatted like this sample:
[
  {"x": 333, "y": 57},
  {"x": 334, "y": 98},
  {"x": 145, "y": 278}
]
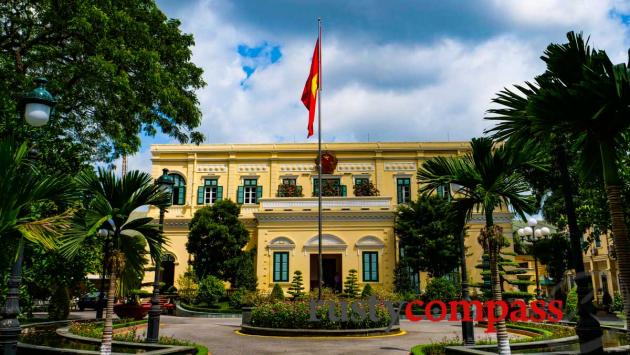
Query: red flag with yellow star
[{"x": 309, "y": 95}]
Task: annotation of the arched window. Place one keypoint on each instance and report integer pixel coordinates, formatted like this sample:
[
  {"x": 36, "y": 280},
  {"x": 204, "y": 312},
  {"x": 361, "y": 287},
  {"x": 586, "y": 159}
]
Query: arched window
[{"x": 179, "y": 189}]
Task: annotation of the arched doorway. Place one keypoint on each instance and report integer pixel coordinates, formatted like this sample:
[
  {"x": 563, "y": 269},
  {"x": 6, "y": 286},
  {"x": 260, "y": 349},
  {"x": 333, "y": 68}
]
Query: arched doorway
[{"x": 167, "y": 275}]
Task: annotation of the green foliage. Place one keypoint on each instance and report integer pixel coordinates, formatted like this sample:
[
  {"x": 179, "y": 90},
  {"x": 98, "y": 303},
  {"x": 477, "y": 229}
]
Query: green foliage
[
  {"x": 295, "y": 315},
  {"x": 367, "y": 291},
  {"x": 440, "y": 288},
  {"x": 434, "y": 348},
  {"x": 402, "y": 278},
  {"x": 617, "y": 303},
  {"x": 216, "y": 239},
  {"x": 188, "y": 286},
  {"x": 351, "y": 286},
  {"x": 276, "y": 293},
  {"x": 366, "y": 189},
  {"x": 211, "y": 289},
  {"x": 429, "y": 235},
  {"x": 570, "y": 308},
  {"x": 296, "y": 290},
  {"x": 59, "y": 306},
  {"x": 236, "y": 298},
  {"x": 120, "y": 68},
  {"x": 244, "y": 274},
  {"x": 555, "y": 253},
  {"x": 517, "y": 294}
]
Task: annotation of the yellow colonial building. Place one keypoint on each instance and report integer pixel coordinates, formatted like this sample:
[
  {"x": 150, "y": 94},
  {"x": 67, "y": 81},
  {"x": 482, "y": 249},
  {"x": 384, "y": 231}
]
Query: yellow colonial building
[{"x": 276, "y": 186}]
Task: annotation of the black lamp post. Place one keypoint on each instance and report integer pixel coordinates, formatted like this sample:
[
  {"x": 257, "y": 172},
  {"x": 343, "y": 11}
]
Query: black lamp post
[
  {"x": 534, "y": 235},
  {"x": 165, "y": 182},
  {"x": 36, "y": 105}
]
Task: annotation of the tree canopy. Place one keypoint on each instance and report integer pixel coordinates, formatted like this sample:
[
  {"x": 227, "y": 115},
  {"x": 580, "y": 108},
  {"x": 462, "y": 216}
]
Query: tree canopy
[
  {"x": 428, "y": 235},
  {"x": 216, "y": 240},
  {"x": 116, "y": 68}
]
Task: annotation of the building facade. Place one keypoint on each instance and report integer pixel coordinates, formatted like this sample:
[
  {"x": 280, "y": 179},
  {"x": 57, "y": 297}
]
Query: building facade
[{"x": 276, "y": 186}]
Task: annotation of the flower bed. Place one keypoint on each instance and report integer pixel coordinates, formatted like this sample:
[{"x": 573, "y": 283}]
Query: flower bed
[{"x": 296, "y": 315}]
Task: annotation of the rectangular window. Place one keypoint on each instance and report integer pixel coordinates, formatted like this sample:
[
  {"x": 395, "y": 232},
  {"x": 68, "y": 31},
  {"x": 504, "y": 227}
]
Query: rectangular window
[
  {"x": 361, "y": 181},
  {"x": 442, "y": 191},
  {"x": 370, "y": 266},
  {"x": 332, "y": 187},
  {"x": 289, "y": 181},
  {"x": 250, "y": 191},
  {"x": 281, "y": 266},
  {"x": 404, "y": 190},
  {"x": 210, "y": 192}
]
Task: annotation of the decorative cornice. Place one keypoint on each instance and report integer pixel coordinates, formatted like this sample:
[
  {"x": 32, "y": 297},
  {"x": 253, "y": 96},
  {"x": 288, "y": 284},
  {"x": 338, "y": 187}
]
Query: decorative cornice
[
  {"x": 252, "y": 168},
  {"x": 211, "y": 168},
  {"x": 352, "y": 167},
  {"x": 400, "y": 166},
  {"x": 498, "y": 218},
  {"x": 363, "y": 216},
  {"x": 299, "y": 168}
]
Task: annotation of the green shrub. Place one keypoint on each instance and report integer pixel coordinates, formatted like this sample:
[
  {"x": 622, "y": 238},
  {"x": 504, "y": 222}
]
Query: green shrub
[
  {"x": 237, "y": 298},
  {"x": 59, "y": 306},
  {"x": 439, "y": 288},
  {"x": 367, "y": 291},
  {"x": 617, "y": 303},
  {"x": 188, "y": 286},
  {"x": 517, "y": 294},
  {"x": 296, "y": 290},
  {"x": 295, "y": 315},
  {"x": 211, "y": 289},
  {"x": 351, "y": 288},
  {"x": 570, "y": 309},
  {"x": 276, "y": 294}
]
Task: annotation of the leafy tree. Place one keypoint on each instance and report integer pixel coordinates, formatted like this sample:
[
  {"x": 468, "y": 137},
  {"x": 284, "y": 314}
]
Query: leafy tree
[
  {"x": 276, "y": 293},
  {"x": 488, "y": 177},
  {"x": 402, "y": 278},
  {"x": 216, "y": 240},
  {"x": 296, "y": 290},
  {"x": 188, "y": 286},
  {"x": 245, "y": 274},
  {"x": 351, "y": 286},
  {"x": 114, "y": 199},
  {"x": 59, "y": 306},
  {"x": 211, "y": 289},
  {"x": 119, "y": 68},
  {"x": 555, "y": 254},
  {"x": 428, "y": 235},
  {"x": 441, "y": 288}
]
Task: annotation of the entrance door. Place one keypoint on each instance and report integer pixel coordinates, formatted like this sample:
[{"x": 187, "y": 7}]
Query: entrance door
[
  {"x": 167, "y": 274},
  {"x": 331, "y": 267}
]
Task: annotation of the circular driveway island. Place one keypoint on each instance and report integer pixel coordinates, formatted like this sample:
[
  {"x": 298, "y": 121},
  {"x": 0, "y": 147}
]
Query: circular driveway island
[{"x": 220, "y": 336}]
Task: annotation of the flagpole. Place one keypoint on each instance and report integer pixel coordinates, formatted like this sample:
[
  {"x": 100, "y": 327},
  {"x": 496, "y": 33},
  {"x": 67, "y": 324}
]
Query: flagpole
[{"x": 320, "y": 271}]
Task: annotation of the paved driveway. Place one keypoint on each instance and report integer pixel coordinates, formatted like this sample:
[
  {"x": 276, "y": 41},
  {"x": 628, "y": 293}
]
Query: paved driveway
[{"x": 220, "y": 338}]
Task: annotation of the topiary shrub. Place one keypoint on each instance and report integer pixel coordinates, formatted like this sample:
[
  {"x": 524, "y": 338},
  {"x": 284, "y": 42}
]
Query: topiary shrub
[
  {"x": 296, "y": 290},
  {"x": 367, "y": 291},
  {"x": 440, "y": 288},
  {"x": 59, "y": 306},
  {"x": 277, "y": 294},
  {"x": 211, "y": 289},
  {"x": 570, "y": 310},
  {"x": 351, "y": 289}
]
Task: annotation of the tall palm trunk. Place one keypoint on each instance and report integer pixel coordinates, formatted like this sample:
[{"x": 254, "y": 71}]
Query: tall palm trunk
[
  {"x": 588, "y": 329},
  {"x": 116, "y": 264},
  {"x": 619, "y": 227},
  {"x": 493, "y": 243}
]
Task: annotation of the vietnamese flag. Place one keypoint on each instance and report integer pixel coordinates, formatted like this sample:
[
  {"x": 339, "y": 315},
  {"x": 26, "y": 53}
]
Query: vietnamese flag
[{"x": 309, "y": 95}]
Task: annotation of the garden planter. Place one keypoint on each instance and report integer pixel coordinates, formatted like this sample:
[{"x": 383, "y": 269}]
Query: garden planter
[{"x": 134, "y": 311}]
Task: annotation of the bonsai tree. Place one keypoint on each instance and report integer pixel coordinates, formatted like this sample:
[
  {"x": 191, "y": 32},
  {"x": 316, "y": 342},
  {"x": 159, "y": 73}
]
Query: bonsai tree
[
  {"x": 351, "y": 288},
  {"x": 277, "y": 294},
  {"x": 296, "y": 290}
]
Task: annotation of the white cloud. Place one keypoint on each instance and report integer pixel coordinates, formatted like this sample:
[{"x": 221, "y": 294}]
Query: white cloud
[{"x": 428, "y": 91}]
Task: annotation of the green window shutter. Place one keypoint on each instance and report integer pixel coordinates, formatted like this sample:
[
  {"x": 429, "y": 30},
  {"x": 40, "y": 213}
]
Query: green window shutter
[
  {"x": 240, "y": 198},
  {"x": 344, "y": 190},
  {"x": 219, "y": 193},
  {"x": 181, "y": 199},
  {"x": 366, "y": 267},
  {"x": 374, "y": 268},
  {"x": 315, "y": 187},
  {"x": 285, "y": 267},
  {"x": 258, "y": 192},
  {"x": 200, "y": 195}
]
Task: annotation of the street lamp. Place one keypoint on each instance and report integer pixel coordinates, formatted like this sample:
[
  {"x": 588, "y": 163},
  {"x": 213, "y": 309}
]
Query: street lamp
[
  {"x": 37, "y": 105},
  {"x": 533, "y": 235},
  {"x": 165, "y": 183}
]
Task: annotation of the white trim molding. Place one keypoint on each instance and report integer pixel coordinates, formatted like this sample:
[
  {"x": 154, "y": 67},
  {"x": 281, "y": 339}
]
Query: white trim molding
[
  {"x": 281, "y": 243},
  {"x": 354, "y": 167},
  {"x": 212, "y": 168},
  {"x": 329, "y": 242},
  {"x": 400, "y": 166},
  {"x": 297, "y": 168},
  {"x": 253, "y": 168}
]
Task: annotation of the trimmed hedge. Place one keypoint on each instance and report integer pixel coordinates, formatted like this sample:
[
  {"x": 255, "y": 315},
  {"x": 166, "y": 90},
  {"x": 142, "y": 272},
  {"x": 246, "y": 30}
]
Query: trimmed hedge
[{"x": 189, "y": 307}]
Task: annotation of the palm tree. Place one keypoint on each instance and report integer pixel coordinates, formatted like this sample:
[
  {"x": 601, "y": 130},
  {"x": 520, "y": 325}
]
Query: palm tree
[
  {"x": 24, "y": 218},
  {"x": 113, "y": 201},
  {"x": 488, "y": 179},
  {"x": 581, "y": 98}
]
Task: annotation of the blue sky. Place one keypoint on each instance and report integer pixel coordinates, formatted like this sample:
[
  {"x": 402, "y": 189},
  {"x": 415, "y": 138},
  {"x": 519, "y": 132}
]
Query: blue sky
[{"x": 393, "y": 70}]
